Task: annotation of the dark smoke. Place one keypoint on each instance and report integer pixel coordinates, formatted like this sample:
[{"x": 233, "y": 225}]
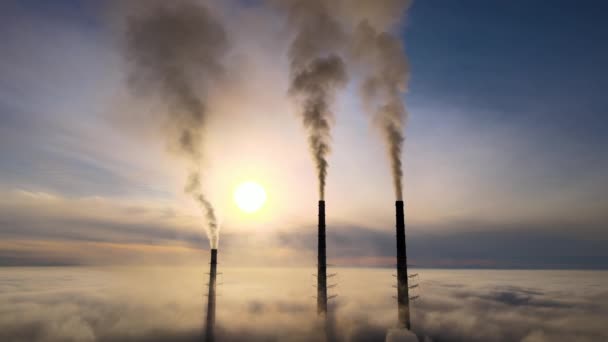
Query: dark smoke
[
  {"x": 317, "y": 71},
  {"x": 194, "y": 187},
  {"x": 175, "y": 50},
  {"x": 386, "y": 75}
]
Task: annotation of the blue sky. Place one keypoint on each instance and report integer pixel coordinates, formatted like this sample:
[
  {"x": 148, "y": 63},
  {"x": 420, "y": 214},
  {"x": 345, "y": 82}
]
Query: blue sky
[
  {"x": 538, "y": 67},
  {"x": 506, "y": 135}
]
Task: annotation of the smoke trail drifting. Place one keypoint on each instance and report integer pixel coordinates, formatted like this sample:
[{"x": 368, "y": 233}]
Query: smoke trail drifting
[
  {"x": 316, "y": 73},
  {"x": 385, "y": 82},
  {"x": 174, "y": 49},
  {"x": 213, "y": 230}
]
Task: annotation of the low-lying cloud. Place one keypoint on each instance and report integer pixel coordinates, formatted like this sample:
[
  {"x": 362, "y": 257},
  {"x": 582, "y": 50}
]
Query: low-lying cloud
[{"x": 166, "y": 304}]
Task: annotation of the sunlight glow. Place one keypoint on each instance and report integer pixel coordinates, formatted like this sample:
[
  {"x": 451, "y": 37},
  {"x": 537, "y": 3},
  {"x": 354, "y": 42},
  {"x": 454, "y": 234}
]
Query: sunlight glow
[{"x": 249, "y": 196}]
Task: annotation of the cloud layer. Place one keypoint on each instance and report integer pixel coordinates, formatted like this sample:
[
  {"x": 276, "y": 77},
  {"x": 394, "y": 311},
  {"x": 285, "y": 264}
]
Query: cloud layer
[
  {"x": 46, "y": 229},
  {"x": 166, "y": 304}
]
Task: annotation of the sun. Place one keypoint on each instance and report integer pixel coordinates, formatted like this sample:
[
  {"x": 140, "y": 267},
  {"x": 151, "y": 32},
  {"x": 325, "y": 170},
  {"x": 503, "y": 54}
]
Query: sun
[{"x": 249, "y": 196}]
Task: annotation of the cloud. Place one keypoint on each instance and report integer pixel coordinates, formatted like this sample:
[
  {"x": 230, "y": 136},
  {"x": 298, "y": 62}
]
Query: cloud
[
  {"x": 43, "y": 229},
  {"x": 39, "y": 228},
  {"x": 166, "y": 304},
  {"x": 401, "y": 335},
  {"x": 490, "y": 312},
  {"x": 507, "y": 247}
]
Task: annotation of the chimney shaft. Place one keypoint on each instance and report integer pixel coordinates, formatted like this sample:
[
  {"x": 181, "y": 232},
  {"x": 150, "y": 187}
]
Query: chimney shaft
[
  {"x": 321, "y": 264},
  {"x": 403, "y": 298},
  {"x": 209, "y": 335}
]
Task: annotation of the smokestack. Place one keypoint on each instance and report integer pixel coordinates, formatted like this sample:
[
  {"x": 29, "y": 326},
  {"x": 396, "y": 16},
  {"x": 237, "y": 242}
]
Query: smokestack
[
  {"x": 209, "y": 336},
  {"x": 403, "y": 298},
  {"x": 321, "y": 264}
]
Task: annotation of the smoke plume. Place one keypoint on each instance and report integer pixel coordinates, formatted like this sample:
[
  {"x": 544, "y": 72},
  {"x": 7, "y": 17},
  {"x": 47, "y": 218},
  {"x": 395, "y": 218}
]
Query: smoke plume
[
  {"x": 386, "y": 69},
  {"x": 175, "y": 50},
  {"x": 194, "y": 187},
  {"x": 317, "y": 71}
]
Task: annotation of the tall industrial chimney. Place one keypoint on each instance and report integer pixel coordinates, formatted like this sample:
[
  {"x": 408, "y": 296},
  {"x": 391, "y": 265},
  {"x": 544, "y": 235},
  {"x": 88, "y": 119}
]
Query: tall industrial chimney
[
  {"x": 209, "y": 335},
  {"x": 403, "y": 298},
  {"x": 321, "y": 264}
]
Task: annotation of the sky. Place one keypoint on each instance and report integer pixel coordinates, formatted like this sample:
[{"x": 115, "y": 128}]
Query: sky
[{"x": 505, "y": 156}]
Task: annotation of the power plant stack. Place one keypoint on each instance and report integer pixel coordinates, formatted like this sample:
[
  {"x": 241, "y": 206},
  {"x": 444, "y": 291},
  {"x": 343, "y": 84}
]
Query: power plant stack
[
  {"x": 321, "y": 264},
  {"x": 209, "y": 335},
  {"x": 403, "y": 298}
]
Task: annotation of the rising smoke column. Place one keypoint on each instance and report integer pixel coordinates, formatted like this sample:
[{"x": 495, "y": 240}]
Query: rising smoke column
[
  {"x": 193, "y": 187},
  {"x": 317, "y": 71},
  {"x": 381, "y": 57},
  {"x": 386, "y": 73},
  {"x": 174, "y": 51}
]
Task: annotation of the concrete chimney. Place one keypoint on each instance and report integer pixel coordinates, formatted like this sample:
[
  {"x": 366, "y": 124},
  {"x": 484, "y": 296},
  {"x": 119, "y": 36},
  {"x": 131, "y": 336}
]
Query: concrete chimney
[
  {"x": 209, "y": 334},
  {"x": 403, "y": 298},
  {"x": 321, "y": 264}
]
